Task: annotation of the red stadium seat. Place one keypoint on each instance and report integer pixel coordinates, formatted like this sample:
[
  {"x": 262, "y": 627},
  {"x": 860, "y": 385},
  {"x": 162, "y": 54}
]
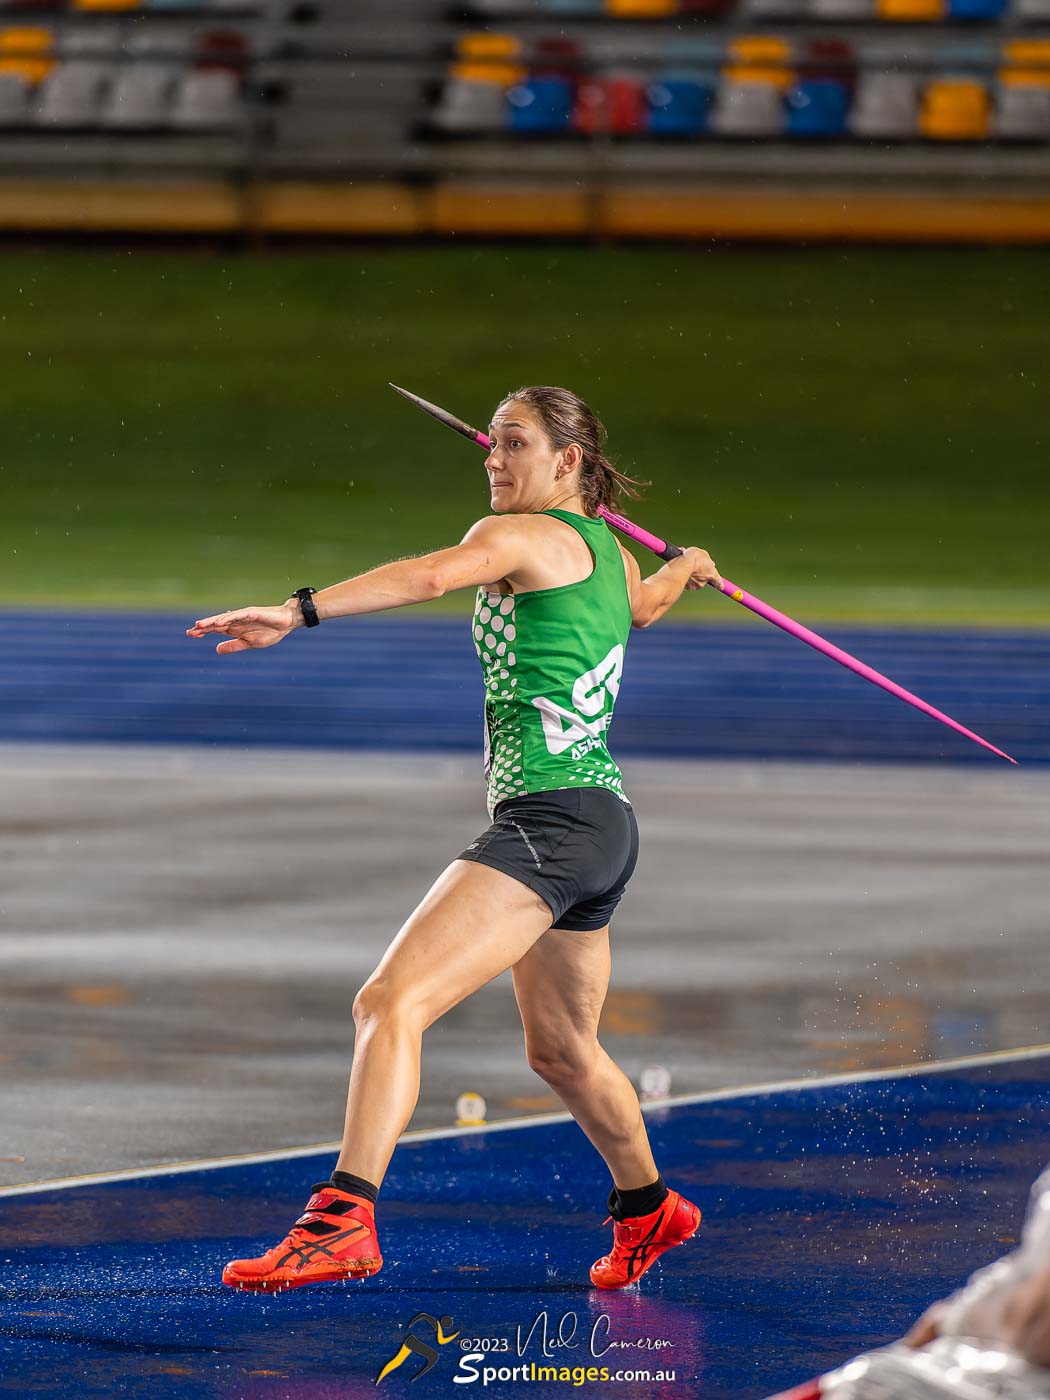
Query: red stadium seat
[
  {"x": 614, "y": 106},
  {"x": 834, "y": 59},
  {"x": 556, "y": 57},
  {"x": 221, "y": 48},
  {"x": 710, "y": 9}
]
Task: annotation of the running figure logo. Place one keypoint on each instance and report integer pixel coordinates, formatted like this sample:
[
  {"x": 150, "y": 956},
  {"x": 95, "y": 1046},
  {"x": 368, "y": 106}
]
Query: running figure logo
[
  {"x": 562, "y": 727},
  {"x": 412, "y": 1343}
]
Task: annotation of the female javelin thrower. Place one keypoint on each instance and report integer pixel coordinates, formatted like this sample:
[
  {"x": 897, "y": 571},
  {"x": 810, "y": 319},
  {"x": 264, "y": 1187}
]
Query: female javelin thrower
[{"x": 557, "y": 596}]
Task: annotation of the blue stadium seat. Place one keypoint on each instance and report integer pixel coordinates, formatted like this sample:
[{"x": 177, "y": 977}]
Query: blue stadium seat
[
  {"x": 678, "y": 106},
  {"x": 541, "y": 105},
  {"x": 817, "y": 107},
  {"x": 987, "y": 10}
]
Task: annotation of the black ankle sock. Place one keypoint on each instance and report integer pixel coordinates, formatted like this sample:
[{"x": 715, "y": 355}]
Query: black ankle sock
[
  {"x": 643, "y": 1200},
  {"x": 358, "y": 1186}
]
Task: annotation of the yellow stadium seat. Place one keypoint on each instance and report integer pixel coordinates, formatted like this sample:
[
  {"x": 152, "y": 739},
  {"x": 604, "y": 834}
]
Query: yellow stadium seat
[
  {"x": 1026, "y": 63},
  {"x": 760, "y": 48},
  {"x": 911, "y": 10},
  {"x": 641, "y": 9},
  {"x": 954, "y": 109},
  {"x": 506, "y": 73},
  {"x": 777, "y": 77},
  {"x": 105, "y": 5},
  {"x": 759, "y": 58},
  {"x": 484, "y": 45},
  {"x": 488, "y": 58},
  {"x": 26, "y": 52}
]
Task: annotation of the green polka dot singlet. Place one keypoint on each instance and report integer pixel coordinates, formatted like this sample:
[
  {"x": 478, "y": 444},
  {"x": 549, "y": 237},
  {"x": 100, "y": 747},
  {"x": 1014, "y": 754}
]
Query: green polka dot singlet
[{"x": 551, "y": 661}]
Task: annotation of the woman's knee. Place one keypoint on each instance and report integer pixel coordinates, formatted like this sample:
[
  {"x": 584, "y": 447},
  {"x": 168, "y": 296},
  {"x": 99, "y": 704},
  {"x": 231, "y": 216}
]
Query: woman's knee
[
  {"x": 562, "y": 1062},
  {"x": 379, "y": 1000}
]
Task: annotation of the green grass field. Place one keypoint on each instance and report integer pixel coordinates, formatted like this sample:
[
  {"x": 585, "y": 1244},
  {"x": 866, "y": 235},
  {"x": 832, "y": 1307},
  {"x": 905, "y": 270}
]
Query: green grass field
[{"x": 852, "y": 434}]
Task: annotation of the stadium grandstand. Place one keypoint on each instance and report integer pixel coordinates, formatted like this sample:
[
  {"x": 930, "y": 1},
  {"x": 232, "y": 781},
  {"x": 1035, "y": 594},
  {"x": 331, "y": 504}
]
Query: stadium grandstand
[{"x": 909, "y": 119}]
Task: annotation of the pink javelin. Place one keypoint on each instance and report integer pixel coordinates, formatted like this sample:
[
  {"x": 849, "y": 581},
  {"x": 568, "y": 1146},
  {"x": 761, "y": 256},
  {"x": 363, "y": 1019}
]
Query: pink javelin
[{"x": 739, "y": 595}]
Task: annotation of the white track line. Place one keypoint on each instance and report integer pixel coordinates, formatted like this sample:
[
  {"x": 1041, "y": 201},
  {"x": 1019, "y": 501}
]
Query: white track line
[{"x": 782, "y": 1086}]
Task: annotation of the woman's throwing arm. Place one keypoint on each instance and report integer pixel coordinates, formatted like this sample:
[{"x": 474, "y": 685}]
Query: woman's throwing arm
[{"x": 651, "y": 597}]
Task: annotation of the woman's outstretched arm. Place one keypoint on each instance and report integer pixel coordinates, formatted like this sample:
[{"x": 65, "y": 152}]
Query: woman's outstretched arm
[{"x": 491, "y": 548}]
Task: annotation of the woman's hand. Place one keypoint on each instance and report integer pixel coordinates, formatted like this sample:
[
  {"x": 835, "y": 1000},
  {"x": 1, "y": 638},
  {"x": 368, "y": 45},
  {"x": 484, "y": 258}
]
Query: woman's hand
[
  {"x": 251, "y": 628},
  {"x": 703, "y": 568}
]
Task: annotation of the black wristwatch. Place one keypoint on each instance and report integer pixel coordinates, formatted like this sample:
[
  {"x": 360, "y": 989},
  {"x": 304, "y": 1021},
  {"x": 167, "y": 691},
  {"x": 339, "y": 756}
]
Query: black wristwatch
[{"x": 306, "y": 606}]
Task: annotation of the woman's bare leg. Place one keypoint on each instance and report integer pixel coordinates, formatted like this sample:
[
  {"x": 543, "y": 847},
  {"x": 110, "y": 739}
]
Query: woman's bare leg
[
  {"x": 472, "y": 924},
  {"x": 561, "y": 983}
]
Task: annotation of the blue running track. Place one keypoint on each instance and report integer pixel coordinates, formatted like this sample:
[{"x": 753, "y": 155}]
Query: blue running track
[
  {"x": 689, "y": 691},
  {"x": 833, "y": 1214}
]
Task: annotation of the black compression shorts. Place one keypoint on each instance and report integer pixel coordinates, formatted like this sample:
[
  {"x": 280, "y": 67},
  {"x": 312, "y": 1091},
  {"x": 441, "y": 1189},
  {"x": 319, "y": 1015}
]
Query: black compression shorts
[{"x": 576, "y": 847}]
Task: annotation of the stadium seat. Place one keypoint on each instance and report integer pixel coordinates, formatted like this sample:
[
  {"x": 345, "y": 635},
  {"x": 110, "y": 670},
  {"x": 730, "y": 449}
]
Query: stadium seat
[
  {"x": 206, "y": 99},
  {"x": 221, "y": 50},
  {"x": 1032, "y": 11},
  {"x": 15, "y": 91},
  {"x": 556, "y": 57},
  {"x": 911, "y": 11},
  {"x": 141, "y": 96},
  {"x": 573, "y": 7},
  {"x": 817, "y": 108},
  {"x": 683, "y": 49},
  {"x": 968, "y": 10},
  {"x": 155, "y": 43},
  {"x": 885, "y": 107},
  {"x": 678, "y": 106},
  {"x": 102, "y": 40},
  {"x": 73, "y": 93},
  {"x": 848, "y": 10},
  {"x": 613, "y": 105},
  {"x": 641, "y": 9},
  {"x": 1022, "y": 98},
  {"x": 774, "y": 10},
  {"x": 173, "y": 4},
  {"x": 471, "y": 107},
  {"x": 834, "y": 59},
  {"x": 93, "y": 5},
  {"x": 709, "y": 9},
  {"x": 540, "y": 106},
  {"x": 967, "y": 57},
  {"x": 27, "y": 53},
  {"x": 759, "y": 58},
  {"x": 954, "y": 109},
  {"x": 488, "y": 58},
  {"x": 1022, "y": 112},
  {"x": 1030, "y": 57},
  {"x": 748, "y": 108}
]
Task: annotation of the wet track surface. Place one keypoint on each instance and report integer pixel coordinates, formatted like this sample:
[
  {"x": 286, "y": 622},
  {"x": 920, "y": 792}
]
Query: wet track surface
[
  {"x": 183, "y": 931},
  {"x": 833, "y": 1215}
]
